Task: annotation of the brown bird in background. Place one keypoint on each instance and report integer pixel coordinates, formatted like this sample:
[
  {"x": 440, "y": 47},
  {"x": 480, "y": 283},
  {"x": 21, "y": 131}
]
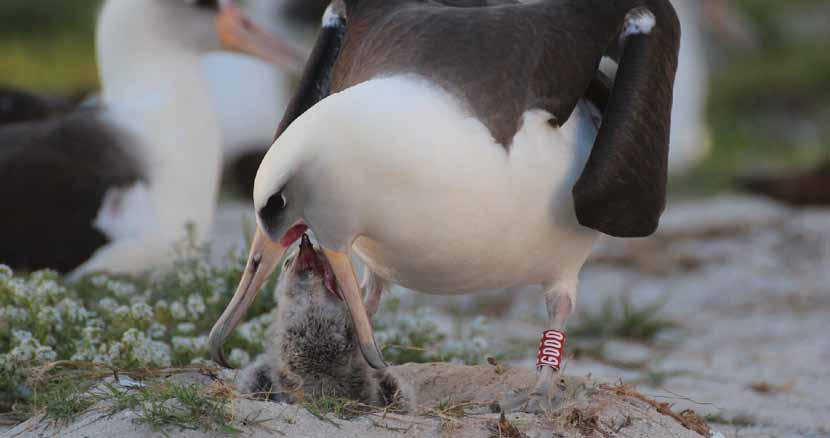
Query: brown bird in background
[{"x": 809, "y": 187}]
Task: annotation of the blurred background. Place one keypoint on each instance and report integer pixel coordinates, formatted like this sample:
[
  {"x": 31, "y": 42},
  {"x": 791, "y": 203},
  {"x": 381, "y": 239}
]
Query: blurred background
[{"x": 767, "y": 103}]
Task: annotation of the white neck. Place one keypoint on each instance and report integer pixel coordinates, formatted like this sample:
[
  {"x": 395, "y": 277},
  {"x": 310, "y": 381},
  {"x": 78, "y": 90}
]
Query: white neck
[{"x": 149, "y": 57}]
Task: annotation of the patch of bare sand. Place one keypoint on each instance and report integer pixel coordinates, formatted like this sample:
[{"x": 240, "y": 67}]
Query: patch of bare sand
[{"x": 453, "y": 400}]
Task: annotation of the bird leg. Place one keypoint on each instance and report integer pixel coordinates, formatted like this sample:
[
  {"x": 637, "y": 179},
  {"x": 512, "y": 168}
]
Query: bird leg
[
  {"x": 373, "y": 286},
  {"x": 559, "y": 298}
]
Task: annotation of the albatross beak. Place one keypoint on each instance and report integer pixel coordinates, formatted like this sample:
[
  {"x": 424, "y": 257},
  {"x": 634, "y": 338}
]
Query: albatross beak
[
  {"x": 341, "y": 264},
  {"x": 237, "y": 32},
  {"x": 263, "y": 259}
]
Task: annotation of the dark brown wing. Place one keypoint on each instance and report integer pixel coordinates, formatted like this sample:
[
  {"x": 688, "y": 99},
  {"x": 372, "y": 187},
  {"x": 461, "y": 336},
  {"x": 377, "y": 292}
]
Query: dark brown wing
[
  {"x": 315, "y": 83},
  {"x": 505, "y": 59},
  {"x": 501, "y": 60},
  {"x": 622, "y": 190}
]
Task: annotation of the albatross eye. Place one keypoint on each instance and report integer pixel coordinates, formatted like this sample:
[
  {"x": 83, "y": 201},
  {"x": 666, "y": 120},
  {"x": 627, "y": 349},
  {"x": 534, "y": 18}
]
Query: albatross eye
[
  {"x": 272, "y": 211},
  {"x": 206, "y": 4}
]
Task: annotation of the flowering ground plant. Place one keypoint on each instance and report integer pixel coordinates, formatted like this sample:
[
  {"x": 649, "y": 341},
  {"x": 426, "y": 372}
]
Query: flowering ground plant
[{"x": 162, "y": 320}]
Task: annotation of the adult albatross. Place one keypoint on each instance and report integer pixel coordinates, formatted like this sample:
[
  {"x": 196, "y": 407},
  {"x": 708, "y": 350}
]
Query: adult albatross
[
  {"x": 456, "y": 146},
  {"x": 112, "y": 188}
]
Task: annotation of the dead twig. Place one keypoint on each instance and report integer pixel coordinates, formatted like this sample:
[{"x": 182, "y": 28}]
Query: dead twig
[{"x": 688, "y": 418}]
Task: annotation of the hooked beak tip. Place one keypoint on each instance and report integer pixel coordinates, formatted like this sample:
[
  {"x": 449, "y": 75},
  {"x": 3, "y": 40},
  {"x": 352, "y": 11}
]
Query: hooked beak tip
[{"x": 373, "y": 356}]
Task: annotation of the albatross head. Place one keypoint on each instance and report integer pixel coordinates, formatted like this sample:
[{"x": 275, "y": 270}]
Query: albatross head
[{"x": 281, "y": 198}]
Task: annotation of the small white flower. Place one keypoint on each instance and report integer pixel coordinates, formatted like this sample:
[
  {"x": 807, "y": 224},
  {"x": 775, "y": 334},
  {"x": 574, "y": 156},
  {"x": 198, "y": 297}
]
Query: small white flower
[
  {"x": 239, "y": 358},
  {"x": 178, "y": 311},
  {"x": 121, "y": 312},
  {"x": 182, "y": 344},
  {"x": 157, "y": 330},
  {"x": 45, "y": 353},
  {"x": 200, "y": 343},
  {"x": 141, "y": 312},
  {"x": 50, "y": 316},
  {"x": 99, "y": 281},
  {"x": 255, "y": 330},
  {"x": 196, "y": 305},
  {"x": 19, "y": 290},
  {"x": 51, "y": 289},
  {"x": 186, "y": 328},
  {"x": 161, "y": 305},
  {"x": 113, "y": 352},
  {"x": 72, "y": 311},
  {"x": 14, "y": 315},
  {"x": 121, "y": 289},
  {"x": 189, "y": 345},
  {"x": 108, "y": 304},
  {"x": 5, "y": 272},
  {"x": 139, "y": 298},
  {"x": 217, "y": 290},
  {"x": 185, "y": 276},
  {"x": 91, "y": 335},
  {"x": 22, "y": 353},
  {"x": 146, "y": 351},
  {"x": 22, "y": 336}
]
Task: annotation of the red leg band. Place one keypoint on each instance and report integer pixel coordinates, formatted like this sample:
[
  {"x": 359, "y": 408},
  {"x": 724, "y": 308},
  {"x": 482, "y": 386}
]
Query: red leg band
[{"x": 551, "y": 350}]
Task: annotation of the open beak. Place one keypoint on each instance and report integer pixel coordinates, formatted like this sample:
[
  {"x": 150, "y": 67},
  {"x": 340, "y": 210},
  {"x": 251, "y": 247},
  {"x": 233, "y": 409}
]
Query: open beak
[
  {"x": 237, "y": 32},
  {"x": 262, "y": 260},
  {"x": 341, "y": 264}
]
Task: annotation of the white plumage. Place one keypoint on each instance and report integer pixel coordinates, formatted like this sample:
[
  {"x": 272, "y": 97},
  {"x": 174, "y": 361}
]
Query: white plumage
[{"x": 457, "y": 211}]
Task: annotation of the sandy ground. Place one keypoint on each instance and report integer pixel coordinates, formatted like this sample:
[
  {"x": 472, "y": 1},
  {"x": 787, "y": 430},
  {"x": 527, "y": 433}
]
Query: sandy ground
[
  {"x": 584, "y": 408},
  {"x": 747, "y": 280}
]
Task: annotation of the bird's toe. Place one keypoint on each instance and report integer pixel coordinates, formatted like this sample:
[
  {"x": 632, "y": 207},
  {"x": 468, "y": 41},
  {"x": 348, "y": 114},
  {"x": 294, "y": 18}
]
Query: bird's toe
[{"x": 528, "y": 402}]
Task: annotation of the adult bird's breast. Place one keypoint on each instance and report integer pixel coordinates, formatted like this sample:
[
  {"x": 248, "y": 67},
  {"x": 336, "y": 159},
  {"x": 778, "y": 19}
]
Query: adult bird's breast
[{"x": 442, "y": 207}]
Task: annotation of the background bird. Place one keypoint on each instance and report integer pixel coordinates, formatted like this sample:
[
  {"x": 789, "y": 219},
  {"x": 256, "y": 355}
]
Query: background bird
[{"x": 113, "y": 187}]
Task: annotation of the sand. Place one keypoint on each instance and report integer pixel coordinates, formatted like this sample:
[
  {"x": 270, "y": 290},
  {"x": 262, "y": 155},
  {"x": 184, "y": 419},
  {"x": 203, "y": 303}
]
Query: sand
[
  {"x": 747, "y": 280},
  {"x": 583, "y": 408}
]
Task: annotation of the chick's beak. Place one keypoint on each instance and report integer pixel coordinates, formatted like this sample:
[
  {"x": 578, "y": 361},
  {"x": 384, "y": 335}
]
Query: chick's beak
[{"x": 237, "y": 32}]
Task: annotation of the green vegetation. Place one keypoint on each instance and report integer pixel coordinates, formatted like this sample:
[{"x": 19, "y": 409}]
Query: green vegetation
[
  {"x": 162, "y": 406},
  {"x": 413, "y": 337},
  {"x": 768, "y": 107},
  {"x": 105, "y": 324},
  {"x": 621, "y": 319},
  {"x": 323, "y": 407},
  {"x": 48, "y": 45},
  {"x": 61, "y": 400},
  {"x": 738, "y": 420},
  {"x": 165, "y": 406}
]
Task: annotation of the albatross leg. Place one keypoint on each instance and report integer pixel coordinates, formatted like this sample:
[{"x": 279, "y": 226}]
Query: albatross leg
[{"x": 559, "y": 298}]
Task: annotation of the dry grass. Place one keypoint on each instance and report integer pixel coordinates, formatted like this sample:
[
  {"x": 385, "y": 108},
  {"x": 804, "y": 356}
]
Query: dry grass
[{"x": 688, "y": 418}]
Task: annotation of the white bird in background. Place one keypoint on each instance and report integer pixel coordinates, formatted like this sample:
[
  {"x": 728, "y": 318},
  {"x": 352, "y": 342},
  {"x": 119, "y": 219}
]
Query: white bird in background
[
  {"x": 251, "y": 93},
  {"x": 113, "y": 187},
  {"x": 690, "y": 141}
]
